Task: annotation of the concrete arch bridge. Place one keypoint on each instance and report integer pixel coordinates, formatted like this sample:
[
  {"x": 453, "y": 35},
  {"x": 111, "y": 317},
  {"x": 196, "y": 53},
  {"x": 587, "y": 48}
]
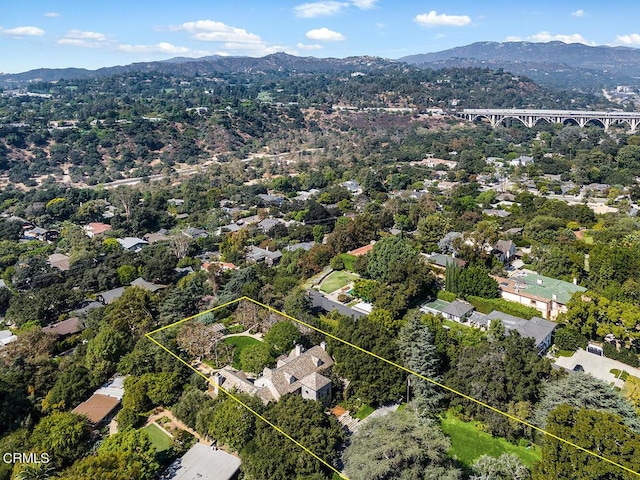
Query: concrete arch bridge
[{"x": 530, "y": 118}]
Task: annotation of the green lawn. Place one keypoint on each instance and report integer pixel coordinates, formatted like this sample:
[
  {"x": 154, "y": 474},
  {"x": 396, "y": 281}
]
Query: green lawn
[
  {"x": 336, "y": 280},
  {"x": 364, "y": 412},
  {"x": 158, "y": 438},
  {"x": 239, "y": 344},
  {"x": 468, "y": 443}
]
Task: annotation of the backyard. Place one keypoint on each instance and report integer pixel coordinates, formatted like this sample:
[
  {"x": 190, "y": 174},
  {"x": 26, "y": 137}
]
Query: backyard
[
  {"x": 158, "y": 437},
  {"x": 239, "y": 344},
  {"x": 336, "y": 280},
  {"x": 468, "y": 443}
]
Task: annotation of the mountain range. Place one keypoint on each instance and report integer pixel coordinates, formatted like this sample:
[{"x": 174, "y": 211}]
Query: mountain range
[{"x": 557, "y": 64}]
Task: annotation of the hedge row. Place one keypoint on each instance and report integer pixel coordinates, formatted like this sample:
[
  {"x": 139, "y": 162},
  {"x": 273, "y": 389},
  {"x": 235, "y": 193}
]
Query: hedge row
[{"x": 487, "y": 305}]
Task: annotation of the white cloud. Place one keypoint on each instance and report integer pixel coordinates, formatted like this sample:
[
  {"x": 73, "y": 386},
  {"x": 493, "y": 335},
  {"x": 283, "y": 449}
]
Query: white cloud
[
  {"x": 513, "y": 38},
  {"x": 630, "y": 39},
  {"x": 578, "y": 13},
  {"x": 233, "y": 40},
  {"x": 212, "y": 31},
  {"x": 319, "y": 9},
  {"x": 324, "y": 35},
  {"x": 364, "y": 4},
  {"x": 549, "y": 37},
  {"x": 162, "y": 47},
  {"x": 84, "y": 38},
  {"x": 309, "y": 46},
  {"x": 52, "y": 14},
  {"x": 26, "y": 31},
  {"x": 433, "y": 19}
]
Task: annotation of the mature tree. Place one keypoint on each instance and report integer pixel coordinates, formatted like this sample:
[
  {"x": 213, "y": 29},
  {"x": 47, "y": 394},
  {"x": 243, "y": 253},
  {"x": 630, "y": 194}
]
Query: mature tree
[
  {"x": 419, "y": 354},
  {"x": 390, "y": 259},
  {"x": 190, "y": 403},
  {"x": 282, "y": 336},
  {"x": 271, "y": 456},
  {"x": 72, "y": 387},
  {"x": 503, "y": 373},
  {"x": 231, "y": 423},
  {"x": 600, "y": 432},
  {"x": 104, "y": 351},
  {"x": 255, "y": 357},
  {"x": 137, "y": 447},
  {"x": 370, "y": 379},
  {"x": 583, "y": 390},
  {"x": 506, "y": 467},
  {"x": 14, "y": 405},
  {"x": 34, "y": 471},
  {"x": 431, "y": 229},
  {"x": 399, "y": 446},
  {"x": 64, "y": 435},
  {"x": 133, "y": 314},
  {"x": 199, "y": 340},
  {"x": 471, "y": 281}
]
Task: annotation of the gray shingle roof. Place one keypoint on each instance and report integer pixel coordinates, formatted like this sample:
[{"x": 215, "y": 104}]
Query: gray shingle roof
[{"x": 458, "y": 308}]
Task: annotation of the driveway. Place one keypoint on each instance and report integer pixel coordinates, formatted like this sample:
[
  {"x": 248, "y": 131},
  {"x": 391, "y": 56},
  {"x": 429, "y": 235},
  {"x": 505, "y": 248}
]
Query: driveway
[{"x": 599, "y": 367}]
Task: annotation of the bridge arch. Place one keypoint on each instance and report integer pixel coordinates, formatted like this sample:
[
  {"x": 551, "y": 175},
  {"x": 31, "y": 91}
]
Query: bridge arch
[
  {"x": 481, "y": 118},
  {"x": 542, "y": 119},
  {"x": 596, "y": 122},
  {"x": 510, "y": 117},
  {"x": 622, "y": 121},
  {"x": 570, "y": 122}
]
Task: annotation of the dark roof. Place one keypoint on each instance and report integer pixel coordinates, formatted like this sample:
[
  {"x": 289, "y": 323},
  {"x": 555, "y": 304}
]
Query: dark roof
[
  {"x": 445, "y": 260},
  {"x": 458, "y": 308},
  {"x": 536, "y": 328},
  {"x": 66, "y": 327}
]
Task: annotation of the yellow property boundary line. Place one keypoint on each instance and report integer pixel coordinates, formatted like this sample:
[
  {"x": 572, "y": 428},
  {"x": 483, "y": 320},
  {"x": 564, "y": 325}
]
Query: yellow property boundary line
[{"x": 405, "y": 369}]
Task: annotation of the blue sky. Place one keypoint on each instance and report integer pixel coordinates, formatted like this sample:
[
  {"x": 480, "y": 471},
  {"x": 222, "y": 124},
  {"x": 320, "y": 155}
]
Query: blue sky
[{"x": 91, "y": 34}]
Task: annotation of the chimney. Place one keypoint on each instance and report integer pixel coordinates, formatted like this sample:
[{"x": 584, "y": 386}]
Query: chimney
[
  {"x": 575, "y": 281},
  {"x": 539, "y": 281},
  {"x": 298, "y": 350},
  {"x": 323, "y": 345}
]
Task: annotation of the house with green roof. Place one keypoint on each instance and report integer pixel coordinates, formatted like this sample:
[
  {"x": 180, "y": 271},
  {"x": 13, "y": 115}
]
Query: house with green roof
[{"x": 548, "y": 295}]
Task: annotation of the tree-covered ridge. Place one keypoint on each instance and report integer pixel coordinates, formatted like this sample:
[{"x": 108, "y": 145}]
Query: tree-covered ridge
[{"x": 143, "y": 123}]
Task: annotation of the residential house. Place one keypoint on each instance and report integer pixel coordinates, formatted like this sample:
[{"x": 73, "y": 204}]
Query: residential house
[
  {"x": 521, "y": 161},
  {"x": 7, "y": 337},
  {"x": 353, "y": 187},
  {"x": 268, "y": 223},
  {"x": 298, "y": 373},
  {"x": 60, "y": 261},
  {"x": 306, "y": 246},
  {"x": 195, "y": 233},
  {"x": 96, "y": 228},
  {"x": 268, "y": 199},
  {"x": 159, "y": 236},
  {"x": 548, "y": 295},
  {"x": 232, "y": 227},
  {"x": 360, "y": 251},
  {"x": 148, "y": 286},
  {"x": 36, "y": 233},
  {"x": 103, "y": 404},
  {"x": 496, "y": 212},
  {"x": 110, "y": 296},
  {"x": 505, "y": 250},
  {"x": 205, "y": 463},
  {"x": 66, "y": 327},
  {"x": 458, "y": 311},
  {"x": 441, "y": 261},
  {"x": 133, "y": 244},
  {"x": 257, "y": 255},
  {"x": 538, "y": 329}
]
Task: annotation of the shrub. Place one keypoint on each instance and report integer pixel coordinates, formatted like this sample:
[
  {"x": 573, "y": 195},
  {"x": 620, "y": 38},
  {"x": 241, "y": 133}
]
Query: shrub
[
  {"x": 570, "y": 339},
  {"x": 623, "y": 355}
]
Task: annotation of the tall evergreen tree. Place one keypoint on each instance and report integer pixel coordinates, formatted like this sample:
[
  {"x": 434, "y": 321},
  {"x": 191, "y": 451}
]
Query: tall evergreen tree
[{"x": 419, "y": 353}]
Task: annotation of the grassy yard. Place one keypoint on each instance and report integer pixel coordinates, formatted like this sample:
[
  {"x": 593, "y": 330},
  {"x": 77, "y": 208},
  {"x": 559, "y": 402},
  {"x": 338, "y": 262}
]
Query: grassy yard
[
  {"x": 239, "y": 344},
  {"x": 158, "y": 438},
  {"x": 336, "y": 280},
  {"x": 468, "y": 443},
  {"x": 364, "y": 412}
]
